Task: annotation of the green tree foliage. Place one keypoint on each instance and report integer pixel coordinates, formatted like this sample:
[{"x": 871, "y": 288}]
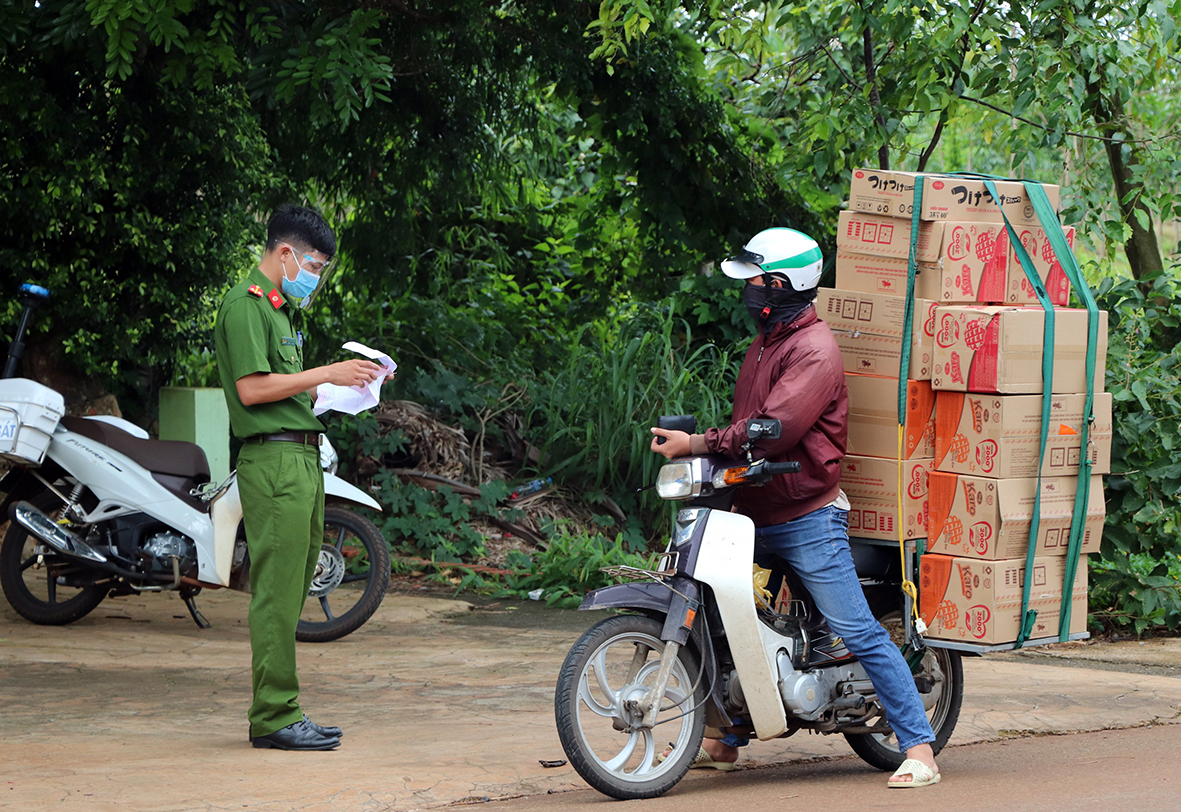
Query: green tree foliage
[
  {"x": 1137, "y": 584},
  {"x": 1081, "y": 91},
  {"x": 128, "y": 199},
  {"x": 455, "y": 145}
]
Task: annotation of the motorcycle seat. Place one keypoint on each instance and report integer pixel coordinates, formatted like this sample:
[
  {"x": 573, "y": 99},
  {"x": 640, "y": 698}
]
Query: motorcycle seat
[{"x": 167, "y": 457}]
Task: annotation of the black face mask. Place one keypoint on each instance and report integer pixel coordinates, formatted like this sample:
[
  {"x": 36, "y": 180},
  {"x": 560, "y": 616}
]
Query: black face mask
[{"x": 769, "y": 305}]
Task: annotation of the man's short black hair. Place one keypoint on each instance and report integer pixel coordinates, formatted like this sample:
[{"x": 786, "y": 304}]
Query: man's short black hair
[{"x": 302, "y": 227}]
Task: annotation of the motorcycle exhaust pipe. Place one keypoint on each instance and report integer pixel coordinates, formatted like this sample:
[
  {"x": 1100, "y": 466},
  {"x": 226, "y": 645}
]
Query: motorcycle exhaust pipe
[{"x": 50, "y": 532}]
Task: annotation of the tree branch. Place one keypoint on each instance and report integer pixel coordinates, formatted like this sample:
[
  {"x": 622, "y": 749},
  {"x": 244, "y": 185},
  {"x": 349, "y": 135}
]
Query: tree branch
[
  {"x": 832, "y": 59},
  {"x": 945, "y": 113},
  {"x": 1040, "y": 126}
]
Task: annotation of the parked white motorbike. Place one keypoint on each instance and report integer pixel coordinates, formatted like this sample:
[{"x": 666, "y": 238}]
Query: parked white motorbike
[
  {"x": 698, "y": 648},
  {"x": 97, "y": 509}
]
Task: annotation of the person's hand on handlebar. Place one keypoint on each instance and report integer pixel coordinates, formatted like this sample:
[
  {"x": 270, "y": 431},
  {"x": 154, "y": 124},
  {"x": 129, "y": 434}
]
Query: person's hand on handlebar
[{"x": 677, "y": 443}]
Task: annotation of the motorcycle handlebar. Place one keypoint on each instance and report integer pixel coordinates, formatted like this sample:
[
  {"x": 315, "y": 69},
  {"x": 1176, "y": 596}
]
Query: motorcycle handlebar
[{"x": 781, "y": 468}]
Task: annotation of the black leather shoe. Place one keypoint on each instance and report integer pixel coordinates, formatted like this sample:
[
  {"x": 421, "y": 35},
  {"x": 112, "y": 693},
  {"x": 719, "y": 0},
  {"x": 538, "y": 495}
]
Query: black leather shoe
[
  {"x": 299, "y": 736},
  {"x": 326, "y": 732}
]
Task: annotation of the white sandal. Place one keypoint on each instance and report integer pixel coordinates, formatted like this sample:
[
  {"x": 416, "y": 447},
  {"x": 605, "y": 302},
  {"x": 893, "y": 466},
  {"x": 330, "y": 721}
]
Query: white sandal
[
  {"x": 920, "y": 775},
  {"x": 701, "y": 760}
]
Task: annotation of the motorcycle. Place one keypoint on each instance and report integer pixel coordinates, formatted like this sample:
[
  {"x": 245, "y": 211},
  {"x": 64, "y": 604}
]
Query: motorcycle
[
  {"x": 698, "y": 647},
  {"x": 97, "y": 510}
]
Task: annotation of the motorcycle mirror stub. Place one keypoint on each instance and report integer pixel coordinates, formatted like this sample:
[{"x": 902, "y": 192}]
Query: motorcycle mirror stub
[
  {"x": 676, "y": 422},
  {"x": 759, "y": 428}
]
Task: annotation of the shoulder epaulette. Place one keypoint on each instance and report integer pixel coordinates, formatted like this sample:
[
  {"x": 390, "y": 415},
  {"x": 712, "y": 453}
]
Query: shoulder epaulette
[{"x": 255, "y": 290}]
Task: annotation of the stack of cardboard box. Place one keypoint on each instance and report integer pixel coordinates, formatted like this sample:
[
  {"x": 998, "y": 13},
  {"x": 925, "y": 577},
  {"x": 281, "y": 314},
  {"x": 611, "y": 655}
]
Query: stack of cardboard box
[{"x": 973, "y": 407}]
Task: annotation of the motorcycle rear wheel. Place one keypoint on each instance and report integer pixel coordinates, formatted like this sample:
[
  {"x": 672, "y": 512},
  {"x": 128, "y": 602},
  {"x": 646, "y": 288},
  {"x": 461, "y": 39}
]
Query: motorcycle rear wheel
[
  {"x": 36, "y": 585},
  {"x": 350, "y": 581},
  {"x": 614, "y": 663},
  {"x": 945, "y": 669}
]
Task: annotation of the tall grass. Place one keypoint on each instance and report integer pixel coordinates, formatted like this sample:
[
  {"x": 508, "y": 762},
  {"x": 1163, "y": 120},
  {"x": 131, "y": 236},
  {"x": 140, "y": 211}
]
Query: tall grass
[{"x": 619, "y": 375}]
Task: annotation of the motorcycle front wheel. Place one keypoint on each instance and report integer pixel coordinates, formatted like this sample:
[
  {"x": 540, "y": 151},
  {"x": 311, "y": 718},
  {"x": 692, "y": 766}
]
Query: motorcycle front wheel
[
  {"x": 605, "y": 675},
  {"x": 940, "y": 677},
  {"x": 350, "y": 580},
  {"x": 45, "y": 588}
]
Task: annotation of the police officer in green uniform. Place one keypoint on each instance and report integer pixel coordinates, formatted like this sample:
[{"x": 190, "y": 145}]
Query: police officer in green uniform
[{"x": 269, "y": 395}]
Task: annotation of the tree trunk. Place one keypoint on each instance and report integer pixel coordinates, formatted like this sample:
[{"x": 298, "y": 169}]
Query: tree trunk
[
  {"x": 875, "y": 101},
  {"x": 1142, "y": 249}
]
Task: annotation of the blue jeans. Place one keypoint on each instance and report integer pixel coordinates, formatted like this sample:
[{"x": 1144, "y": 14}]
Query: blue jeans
[{"x": 817, "y": 548}]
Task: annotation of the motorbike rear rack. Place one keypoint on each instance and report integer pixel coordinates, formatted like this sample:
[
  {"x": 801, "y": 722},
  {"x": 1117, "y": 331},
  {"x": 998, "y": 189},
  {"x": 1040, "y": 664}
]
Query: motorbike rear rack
[
  {"x": 987, "y": 648},
  {"x": 958, "y": 645}
]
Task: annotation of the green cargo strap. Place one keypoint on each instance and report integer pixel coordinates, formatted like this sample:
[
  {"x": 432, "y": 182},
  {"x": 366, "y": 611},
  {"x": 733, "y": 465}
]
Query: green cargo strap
[
  {"x": 908, "y": 317},
  {"x": 909, "y": 590},
  {"x": 1030, "y": 616},
  {"x": 1082, "y": 496}
]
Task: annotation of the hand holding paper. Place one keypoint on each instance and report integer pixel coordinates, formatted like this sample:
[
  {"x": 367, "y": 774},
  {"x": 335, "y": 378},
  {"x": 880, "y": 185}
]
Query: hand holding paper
[{"x": 354, "y": 399}]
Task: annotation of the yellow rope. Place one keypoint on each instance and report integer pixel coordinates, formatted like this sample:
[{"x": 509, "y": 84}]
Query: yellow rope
[{"x": 908, "y": 586}]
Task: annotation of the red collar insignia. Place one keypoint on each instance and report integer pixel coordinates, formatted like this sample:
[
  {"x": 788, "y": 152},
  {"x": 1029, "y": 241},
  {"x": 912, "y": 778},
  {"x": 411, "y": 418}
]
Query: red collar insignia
[
  {"x": 255, "y": 290},
  {"x": 276, "y": 298}
]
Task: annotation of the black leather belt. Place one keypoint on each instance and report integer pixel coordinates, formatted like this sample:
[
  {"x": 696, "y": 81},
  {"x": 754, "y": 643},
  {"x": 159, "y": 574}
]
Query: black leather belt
[{"x": 306, "y": 438}]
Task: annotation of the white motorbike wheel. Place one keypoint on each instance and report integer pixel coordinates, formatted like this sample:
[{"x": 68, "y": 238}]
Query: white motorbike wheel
[{"x": 609, "y": 669}]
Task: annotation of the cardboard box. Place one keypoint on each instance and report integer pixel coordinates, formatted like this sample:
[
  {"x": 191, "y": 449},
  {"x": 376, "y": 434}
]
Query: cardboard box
[
  {"x": 886, "y": 275},
  {"x": 999, "y": 350},
  {"x": 868, "y": 328},
  {"x": 980, "y": 601},
  {"x": 886, "y": 193},
  {"x": 860, "y": 233},
  {"x": 974, "y": 263},
  {"x": 967, "y": 199},
  {"x": 999, "y": 436},
  {"x": 945, "y": 197},
  {"x": 872, "y": 487},
  {"x": 1045, "y": 262},
  {"x": 873, "y": 418},
  {"x": 971, "y": 260},
  {"x": 976, "y": 517}
]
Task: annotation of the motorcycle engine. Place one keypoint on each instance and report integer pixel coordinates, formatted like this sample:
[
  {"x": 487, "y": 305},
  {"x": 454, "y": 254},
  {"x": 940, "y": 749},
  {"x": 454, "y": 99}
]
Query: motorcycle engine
[{"x": 163, "y": 547}]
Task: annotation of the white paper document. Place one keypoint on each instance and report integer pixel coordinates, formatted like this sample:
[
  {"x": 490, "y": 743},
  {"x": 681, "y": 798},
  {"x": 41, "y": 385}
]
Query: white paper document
[{"x": 354, "y": 399}]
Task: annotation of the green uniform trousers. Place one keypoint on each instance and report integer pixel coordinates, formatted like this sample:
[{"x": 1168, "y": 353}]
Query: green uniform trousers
[{"x": 282, "y": 491}]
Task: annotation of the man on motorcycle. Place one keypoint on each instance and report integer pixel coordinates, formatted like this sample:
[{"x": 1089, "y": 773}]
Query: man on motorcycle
[
  {"x": 269, "y": 396},
  {"x": 793, "y": 372}
]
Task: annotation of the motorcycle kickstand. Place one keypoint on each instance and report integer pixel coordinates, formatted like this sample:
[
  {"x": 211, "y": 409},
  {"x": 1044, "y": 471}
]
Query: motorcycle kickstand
[{"x": 191, "y": 604}]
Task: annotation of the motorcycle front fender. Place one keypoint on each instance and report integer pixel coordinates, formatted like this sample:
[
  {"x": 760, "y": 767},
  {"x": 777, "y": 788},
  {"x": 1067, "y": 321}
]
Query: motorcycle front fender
[
  {"x": 645, "y": 595},
  {"x": 337, "y": 488}
]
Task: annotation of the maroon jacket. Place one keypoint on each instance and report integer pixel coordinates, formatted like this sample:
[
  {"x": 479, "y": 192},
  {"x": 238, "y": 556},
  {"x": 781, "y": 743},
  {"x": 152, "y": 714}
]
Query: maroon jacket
[{"x": 794, "y": 374}]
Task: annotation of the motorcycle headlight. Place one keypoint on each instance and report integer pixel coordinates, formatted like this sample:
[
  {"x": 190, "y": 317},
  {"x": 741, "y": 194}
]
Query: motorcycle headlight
[{"x": 675, "y": 481}]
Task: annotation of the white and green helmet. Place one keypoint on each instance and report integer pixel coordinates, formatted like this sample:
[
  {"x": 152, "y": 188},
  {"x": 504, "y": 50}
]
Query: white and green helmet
[{"x": 783, "y": 251}]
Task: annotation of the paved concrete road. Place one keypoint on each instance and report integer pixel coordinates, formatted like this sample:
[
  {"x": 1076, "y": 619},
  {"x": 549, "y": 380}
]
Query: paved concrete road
[
  {"x": 134, "y": 708},
  {"x": 1112, "y": 771}
]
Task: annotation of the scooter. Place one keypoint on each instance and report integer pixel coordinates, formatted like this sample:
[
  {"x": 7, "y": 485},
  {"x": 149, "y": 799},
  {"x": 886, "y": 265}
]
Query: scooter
[
  {"x": 98, "y": 509},
  {"x": 701, "y": 646}
]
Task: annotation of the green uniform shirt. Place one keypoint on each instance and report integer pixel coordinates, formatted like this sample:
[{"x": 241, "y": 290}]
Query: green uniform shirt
[{"x": 254, "y": 335}]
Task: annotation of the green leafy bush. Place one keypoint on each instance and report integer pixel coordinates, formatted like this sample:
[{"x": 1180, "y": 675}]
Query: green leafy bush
[
  {"x": 566, "y": 569},
  {"x": 591, "y": 413},
  {"x": 1135, "y": 584}
]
